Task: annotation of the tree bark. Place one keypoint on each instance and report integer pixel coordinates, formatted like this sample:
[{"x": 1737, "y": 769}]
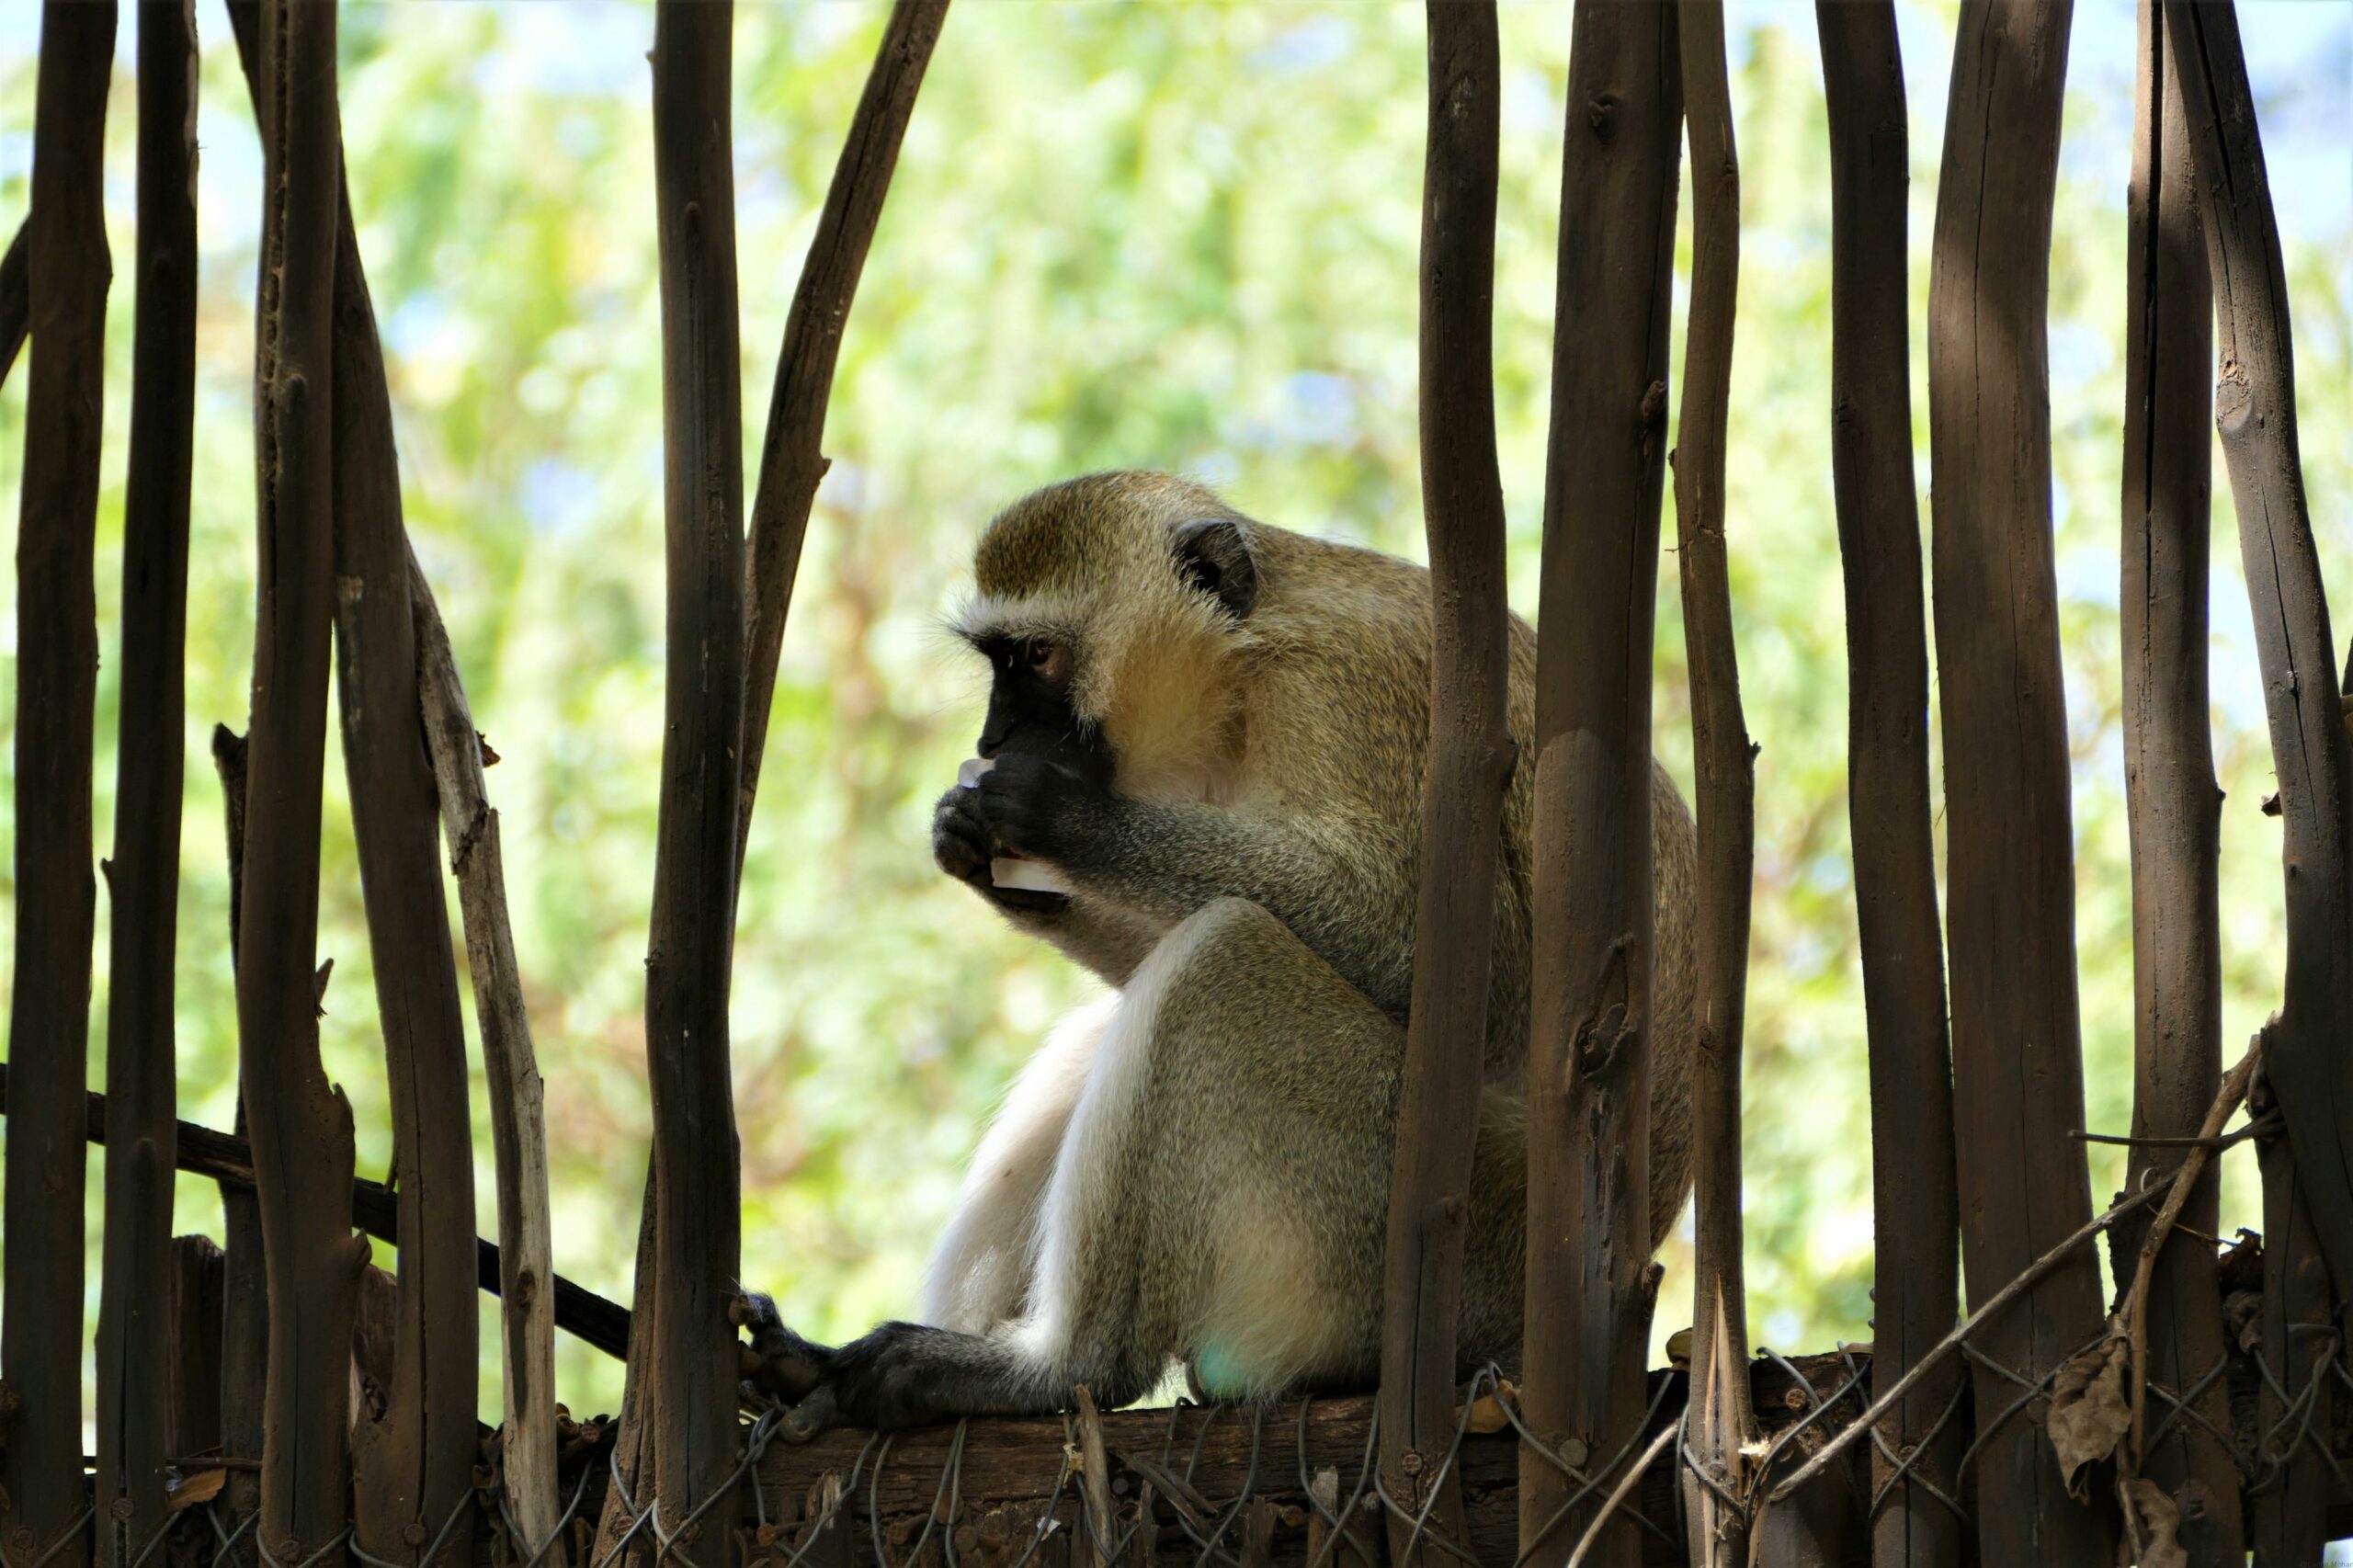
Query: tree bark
[
  {"x": 245, "y": 1289},
  {"x": 300, "y": 1123},
  {"x": 1589, "y": 1285},
  {"x": 1471, "y": 759},
  {"x": 16, "y": 303},
  {"x": 2017, "y": 1067},
  {"x": 697, "y": 1231},
  {"x": 135, "y": 1343},
  {"x": 67, "y": 272},
  {"x": 1721, "y": 1424},
  {"x": 2172, "y": 802}
]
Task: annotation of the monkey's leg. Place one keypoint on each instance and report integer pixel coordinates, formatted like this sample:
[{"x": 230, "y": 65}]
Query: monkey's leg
[
  {"x": 1218, "y": 1196},
  {"x": 980, "y": 1270}
]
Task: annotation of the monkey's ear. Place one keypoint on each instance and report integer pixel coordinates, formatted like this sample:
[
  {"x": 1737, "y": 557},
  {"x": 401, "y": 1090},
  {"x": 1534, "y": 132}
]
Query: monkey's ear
[{"x": 1213, "y": 556}]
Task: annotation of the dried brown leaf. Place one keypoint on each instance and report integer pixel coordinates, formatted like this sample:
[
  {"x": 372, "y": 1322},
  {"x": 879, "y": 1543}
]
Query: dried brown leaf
[
  {"x": 1491, "y": 1411},
  {"x": 2149, "y": 1509},
  {"x": 201, "y": 1487},
  {"x": 2088, "y": 1411}
]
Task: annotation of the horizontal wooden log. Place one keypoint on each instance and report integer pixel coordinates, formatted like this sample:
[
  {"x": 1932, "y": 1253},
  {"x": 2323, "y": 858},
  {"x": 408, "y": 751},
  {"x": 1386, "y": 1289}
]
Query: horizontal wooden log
[{"x": 226, "y": 1158}]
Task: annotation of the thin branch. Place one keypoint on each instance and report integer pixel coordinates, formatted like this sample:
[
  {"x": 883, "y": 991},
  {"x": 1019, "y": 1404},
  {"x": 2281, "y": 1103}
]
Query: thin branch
[{"x": 791, "y": 461}]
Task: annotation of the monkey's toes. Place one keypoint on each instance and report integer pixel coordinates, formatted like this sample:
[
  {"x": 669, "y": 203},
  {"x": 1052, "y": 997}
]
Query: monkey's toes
[{"x": 811, "y": 1416}]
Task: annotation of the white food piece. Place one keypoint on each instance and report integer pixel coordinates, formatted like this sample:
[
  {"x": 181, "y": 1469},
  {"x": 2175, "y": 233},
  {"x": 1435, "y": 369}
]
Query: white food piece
[
  {"x": 1028, "y": 876},
  {"x": 968, "y": 772}
]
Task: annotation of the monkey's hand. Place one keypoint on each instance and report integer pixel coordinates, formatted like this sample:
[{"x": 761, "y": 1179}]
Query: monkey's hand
[
  {"x": 1018, "y": 808},
  {"x": 778, "y": 1363}
]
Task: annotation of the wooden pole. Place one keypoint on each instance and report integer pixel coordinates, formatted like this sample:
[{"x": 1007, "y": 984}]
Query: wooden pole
[
  {"x": 697, "y": 1231},
  {"x": 2309, "y": 1063},
  {"x": 1470, "y": 760},
  {"x": 517, "y": 1114},
  {"x": 68, "y": 271},
  {"x": 414, "y": 1460},
  {"x": 301, "y": 1124},
  {"x": 1590, "y": 1288},
  {"x": 1721, "y": 1424},
  {"x": 791, "y": 461},
  {"x": 1917, "y": 1220},
  {"x": 2173, "y": 806},
  {"x": 2017, "y": 1067},
  {"x": 136, "y": 1346},
  {"x": 16, "y": 303}
]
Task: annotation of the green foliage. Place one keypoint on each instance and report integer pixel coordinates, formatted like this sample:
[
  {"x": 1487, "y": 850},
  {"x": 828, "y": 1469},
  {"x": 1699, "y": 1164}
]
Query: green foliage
[{"x": 1177, "y": 237}]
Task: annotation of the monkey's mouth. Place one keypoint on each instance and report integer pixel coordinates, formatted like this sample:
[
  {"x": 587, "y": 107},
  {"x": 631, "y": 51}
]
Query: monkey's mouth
[{"x": 1033, "y": 900}]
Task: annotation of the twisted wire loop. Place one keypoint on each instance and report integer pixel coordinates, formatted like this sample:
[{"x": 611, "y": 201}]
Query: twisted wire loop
[{"x": 70, "y": 1532}]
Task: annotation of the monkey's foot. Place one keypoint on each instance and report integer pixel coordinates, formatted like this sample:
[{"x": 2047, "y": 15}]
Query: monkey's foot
[
  {"x": 779, "y": 1363},
  {"x": 901, "y": 1374}
]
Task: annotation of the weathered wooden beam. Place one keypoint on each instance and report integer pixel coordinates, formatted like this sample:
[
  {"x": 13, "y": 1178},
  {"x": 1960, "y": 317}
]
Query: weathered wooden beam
[
  {"x": 67, "y": 272},
  {"x": 2254, "y": 407},
  {"x": 2018, "y": 1065},
  {"x": 1590, "y": 1284},
  {"x": 1915, "y": 1210},
  {"x": 135, "y": 1347},
  {"x": 1471, "y": 756},
  {"x": 2174, "y": 807},
  {"x": 193, "y": 1345},
  {"x": 1725, "y": 762},
  {"x": 791, "y": 460},
  {"x": 698, "y": 1224}
]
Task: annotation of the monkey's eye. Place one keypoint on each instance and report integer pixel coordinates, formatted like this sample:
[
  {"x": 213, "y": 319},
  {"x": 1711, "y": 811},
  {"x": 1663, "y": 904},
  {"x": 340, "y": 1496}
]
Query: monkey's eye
[{"x": 1046, "y": 658}]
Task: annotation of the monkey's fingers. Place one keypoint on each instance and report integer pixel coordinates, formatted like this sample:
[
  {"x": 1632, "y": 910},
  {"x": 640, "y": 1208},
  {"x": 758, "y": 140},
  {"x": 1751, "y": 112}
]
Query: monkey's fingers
[{"x": 811, "y": 1416}]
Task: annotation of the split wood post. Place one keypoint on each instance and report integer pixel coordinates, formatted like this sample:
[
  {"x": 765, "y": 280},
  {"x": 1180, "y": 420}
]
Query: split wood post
[
  {"x": 192, "y": 1422},
  {"x": 68, "y": 271},
  {"x": 2173, "y": 806},
  {"x": 1471, "y": 754},
  {"x": 2308, "y": 1063},
  {"x": 2018, "y": 1065},
  {"x": 698, "y": 1230},
  {"x": 15, "y": 265},
  {"x": 791, "y": 460},
  {"x": 301, "y": 1124},
  {"x": 245, "y": 1288},
  {"x": 1721, "y": 1423},
  {"x": 517, "y": 1114},
  {"x": 1589, "y": 1285},
  {"x": 414, "y": 1460},
  {"x": 136, "y": 1348},
  {"x": 1917, "y": 1218},
  {"x": 2307, "y": 1073}
]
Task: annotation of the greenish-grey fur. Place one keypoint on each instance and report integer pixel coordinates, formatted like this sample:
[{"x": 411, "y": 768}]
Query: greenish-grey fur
[
  {"x": 1199, "y": 1169},
  {"x": 1318, "y": 820}
]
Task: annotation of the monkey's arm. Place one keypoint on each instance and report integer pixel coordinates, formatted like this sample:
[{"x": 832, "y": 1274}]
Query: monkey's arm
[{"x": 1172, "y": 859}]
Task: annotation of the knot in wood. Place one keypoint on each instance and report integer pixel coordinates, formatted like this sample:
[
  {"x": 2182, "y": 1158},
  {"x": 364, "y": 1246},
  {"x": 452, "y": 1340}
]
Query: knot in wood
[
  {"x": 1601, "y": 1040},
  {"x": 1653, "y": 403},
  {"x": 1601, "y": 114}
]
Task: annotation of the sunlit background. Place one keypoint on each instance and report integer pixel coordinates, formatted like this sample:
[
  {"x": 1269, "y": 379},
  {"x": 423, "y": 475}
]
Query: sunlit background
[{"x": 1180, "y": 237}]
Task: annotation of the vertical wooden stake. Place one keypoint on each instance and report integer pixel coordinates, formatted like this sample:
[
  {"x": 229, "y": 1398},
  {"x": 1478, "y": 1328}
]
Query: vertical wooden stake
[
  {"x": 1470, "y": 758},
  {"x": 1588, "y": 1177},
  {"x": 68, "y": 271},
  {"x": 697, "y": 1231},
  {"x": 1722, "y": 1423},
  {"x": 2018, "y": 1065},
  {"x": 1915, "y": 1209},
  {"x": 135, "y": 1346},
  {"x": 301, "y": 1124}
]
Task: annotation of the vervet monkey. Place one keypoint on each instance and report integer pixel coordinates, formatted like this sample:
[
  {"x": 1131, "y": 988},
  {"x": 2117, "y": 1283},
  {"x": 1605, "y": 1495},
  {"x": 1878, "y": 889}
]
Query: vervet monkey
[{"x": 1214, "y": 732}]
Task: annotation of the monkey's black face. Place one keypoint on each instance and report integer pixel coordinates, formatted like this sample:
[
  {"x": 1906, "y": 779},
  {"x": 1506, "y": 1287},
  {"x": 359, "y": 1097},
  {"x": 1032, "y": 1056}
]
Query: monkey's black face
[{"x": 1050, "y": 768}]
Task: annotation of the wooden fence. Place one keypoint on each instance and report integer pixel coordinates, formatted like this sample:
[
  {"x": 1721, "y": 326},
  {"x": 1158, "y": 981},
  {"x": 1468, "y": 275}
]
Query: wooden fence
[{"x": 283, "y": 1404}]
